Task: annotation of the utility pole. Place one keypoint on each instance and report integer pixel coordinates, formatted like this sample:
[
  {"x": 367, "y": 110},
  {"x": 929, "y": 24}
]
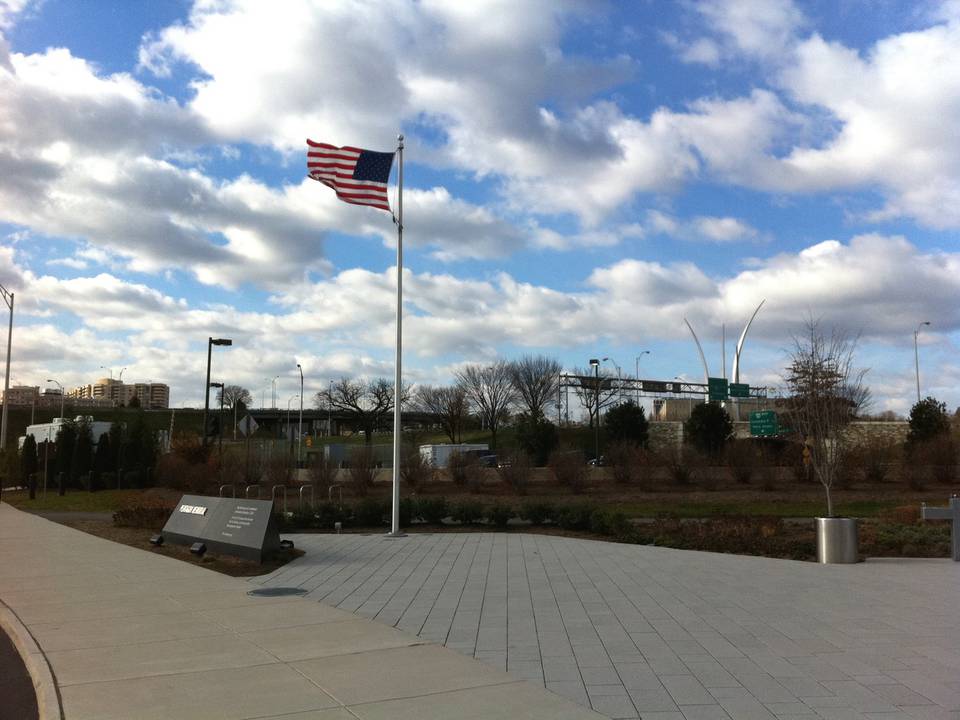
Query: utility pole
[{"x": 300, "y": 421}]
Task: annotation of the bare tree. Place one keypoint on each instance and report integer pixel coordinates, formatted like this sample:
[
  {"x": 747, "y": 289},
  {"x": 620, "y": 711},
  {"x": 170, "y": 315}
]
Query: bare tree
[
  {"x": 367, "y": 402},
  {"x": 588, "y": 387},
  {"x": 535, "y": 379},
  {"x": 826, "y": 393},
  {"x": 448, "y": 404},
  {"x": 491, "y": 392},
  {"x": 233, "y": 394},
  {"x": 235, "y": 397}
]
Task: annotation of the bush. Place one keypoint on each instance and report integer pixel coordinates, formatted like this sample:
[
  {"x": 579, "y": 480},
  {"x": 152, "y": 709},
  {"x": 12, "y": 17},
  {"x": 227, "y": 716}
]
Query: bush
[
  {"x": 499, "y": 514},
  {"x": 626, "y": 423},
  {"x": 743, "y": 457},
  {"x": 537, "y": 513},
  {"x": 407, "y": 511},
  {"x": 575, "y": 517},
  {"x": 624, "y": 460},
  {"x": 468, "y": 512},
  {"x": 876, "y": 456},
  {"x": 569, "y": 468},
  {"x": 683, "y": 465},
  {"x": 371, "y": 512},
  {"x": 475, "y": 474},
  {"x": 414, "y": 468},
  {"x": 362, "y": 470},
  {"x": 928, "y": 420},
  {"x": 147, "y": 513},
  {"x": 457, "y": 465},
  {"x": 323, "y": 472},
  {"x": 516, "y": 471},
  {"x": 536, "y": 436},
  {"x": 432, "y": 510},
  {"x": 708, "y": 428},
  {"x": 939, "y": 456}
]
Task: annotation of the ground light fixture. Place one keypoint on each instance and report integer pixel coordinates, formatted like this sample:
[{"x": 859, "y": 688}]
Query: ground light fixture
[
  {"x": 198, "y": 549},
  {"x": 156, "y": 540}
]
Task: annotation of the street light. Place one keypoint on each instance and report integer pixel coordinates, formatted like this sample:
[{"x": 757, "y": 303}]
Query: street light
[
  {"x": 273, "y": 392},
  {"x": 206, "y": 388},
  {"x": 916, "y": 355},
  {"x": 120, "y": 379},
  {"x": 61, "y": 395},
  {"x": 595, "y": 364},
  {"x": 219, "y": 425},
  {"x": 642, "y": 353},
  {"x": 300, "y": 421},
  {"x": 330, "y": 409},
  {"x": 8, "y": 299},
  {"x": 109, "y": 370},
  {"x": 289, "y": 400}
]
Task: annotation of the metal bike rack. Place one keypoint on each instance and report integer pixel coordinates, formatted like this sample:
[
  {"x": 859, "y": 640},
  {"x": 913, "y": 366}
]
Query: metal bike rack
[
  {"x": 246, "y": 492},
  {"x": 273, "y": 496},
  {"x": 233, "y": 490},
  {"x": 339, "y": 489},
  {"x": 312, "y": 497}
]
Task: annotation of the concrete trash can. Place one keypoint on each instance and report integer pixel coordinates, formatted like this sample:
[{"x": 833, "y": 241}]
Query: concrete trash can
[{"x": 837, "y": 540}]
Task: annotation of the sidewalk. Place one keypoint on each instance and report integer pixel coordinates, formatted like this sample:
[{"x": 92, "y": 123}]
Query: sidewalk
[{"x": 129, "y": 634}]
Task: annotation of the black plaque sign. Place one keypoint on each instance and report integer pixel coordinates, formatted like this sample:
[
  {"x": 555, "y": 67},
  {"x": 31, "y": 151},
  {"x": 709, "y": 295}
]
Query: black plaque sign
[{"x": 232, "y": 526}]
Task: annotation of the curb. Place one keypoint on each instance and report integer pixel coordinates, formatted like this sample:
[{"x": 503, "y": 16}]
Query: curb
[{"x": 48, "y": 697}]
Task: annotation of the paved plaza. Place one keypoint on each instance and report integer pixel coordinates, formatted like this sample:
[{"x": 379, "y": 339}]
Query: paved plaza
[
  {"x": 636, "y": 631},
  {"x": 110, "y": 632}
]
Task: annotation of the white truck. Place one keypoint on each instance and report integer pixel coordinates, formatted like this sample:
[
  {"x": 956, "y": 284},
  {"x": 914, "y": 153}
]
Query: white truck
[
  {"x": 439, "y": 455},
  {"x": 48, "y": 431}
]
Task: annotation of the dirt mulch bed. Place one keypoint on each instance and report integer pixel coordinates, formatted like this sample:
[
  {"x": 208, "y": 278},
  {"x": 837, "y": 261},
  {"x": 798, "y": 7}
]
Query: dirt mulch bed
[{"x": 139, "y": 538}]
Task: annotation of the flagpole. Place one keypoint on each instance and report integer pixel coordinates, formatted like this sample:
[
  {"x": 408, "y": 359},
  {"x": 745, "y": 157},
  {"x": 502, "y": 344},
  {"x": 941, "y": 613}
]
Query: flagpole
[{"x": 397, "y": 397}]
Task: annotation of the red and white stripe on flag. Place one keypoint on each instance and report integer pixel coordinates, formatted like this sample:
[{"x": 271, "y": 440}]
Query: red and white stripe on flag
[{"x": 357, "y": 176}]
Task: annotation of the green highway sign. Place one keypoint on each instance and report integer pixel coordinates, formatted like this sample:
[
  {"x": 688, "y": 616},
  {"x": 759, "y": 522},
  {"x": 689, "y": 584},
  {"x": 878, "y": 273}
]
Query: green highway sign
[
  {"x": 739, "y": 390},
  {"x": 717, "y": 388},
  {"x": 764, "y": 423}
]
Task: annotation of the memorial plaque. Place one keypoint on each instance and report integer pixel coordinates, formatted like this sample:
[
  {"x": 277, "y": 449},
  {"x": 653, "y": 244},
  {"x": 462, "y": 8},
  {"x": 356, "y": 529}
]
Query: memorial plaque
[{"x": 233, "y": 526}]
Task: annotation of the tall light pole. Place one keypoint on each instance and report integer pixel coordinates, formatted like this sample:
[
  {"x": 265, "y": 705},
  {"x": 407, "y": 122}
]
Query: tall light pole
[
  {"x": 120, "y": 379},
  {"x": 642, "y": 353},
  {"x": 8, "y": 299},
  {"x": 206, "y": 388},
  {"x": 289, "y": 400},
  {"x": 62, "y": 394},
  {"x": 300, "y": 421},
  {"x": 330, "y": 409},
  {"x": 916, "y": 354},
  {"x": 273, "y": 392},
  {"x": 109, "y": 370},
  {"x": 595, "y": 364}
]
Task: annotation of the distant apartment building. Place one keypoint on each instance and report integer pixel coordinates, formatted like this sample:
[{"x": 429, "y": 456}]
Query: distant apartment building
[
  {"x": 152, "y": 396},
  {"x": 30, "y": 396}
]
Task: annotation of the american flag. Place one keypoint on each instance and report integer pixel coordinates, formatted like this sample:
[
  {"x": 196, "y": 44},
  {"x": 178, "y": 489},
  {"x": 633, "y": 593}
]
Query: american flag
[{"x": 358, "y": 176}]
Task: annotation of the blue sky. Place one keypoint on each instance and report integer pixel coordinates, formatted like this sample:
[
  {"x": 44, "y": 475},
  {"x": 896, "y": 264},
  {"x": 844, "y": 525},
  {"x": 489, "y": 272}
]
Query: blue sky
[{"x": 579, "y": 178}]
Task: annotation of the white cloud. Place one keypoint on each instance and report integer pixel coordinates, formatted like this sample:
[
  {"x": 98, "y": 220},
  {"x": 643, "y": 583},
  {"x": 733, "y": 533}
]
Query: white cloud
[{"x": 701, "y": 227}]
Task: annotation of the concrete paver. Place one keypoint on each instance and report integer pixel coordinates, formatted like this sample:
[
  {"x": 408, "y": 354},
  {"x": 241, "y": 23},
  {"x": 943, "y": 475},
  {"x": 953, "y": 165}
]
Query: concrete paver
[
  {"x": 124, "y": 633},
  {"x": 632, "y": 630}
]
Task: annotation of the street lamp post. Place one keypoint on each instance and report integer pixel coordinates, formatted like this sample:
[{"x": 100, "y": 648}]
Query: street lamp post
[
  {"x": 330, "y": 409},
  {"x": 62, "y": 396},
  {"x": 8, "y": 299},
  {"x": 916, "y": 355},
  {"x": 642, "y": 353},
  {"x": 289, "y": 400},
  {"x": 273, "y": 392},
  {"x": 120, "y": 379},
  {"x": 300, "y": 421},
  {"x": 595, "y": 364},
  {"x": 109, "y": 370},
  {"x": 206, "y": 388},
  {"x": 219, "y": 430}
]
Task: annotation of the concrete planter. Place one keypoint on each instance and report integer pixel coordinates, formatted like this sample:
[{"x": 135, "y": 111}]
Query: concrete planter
[{"x": 837, "y": 540}]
